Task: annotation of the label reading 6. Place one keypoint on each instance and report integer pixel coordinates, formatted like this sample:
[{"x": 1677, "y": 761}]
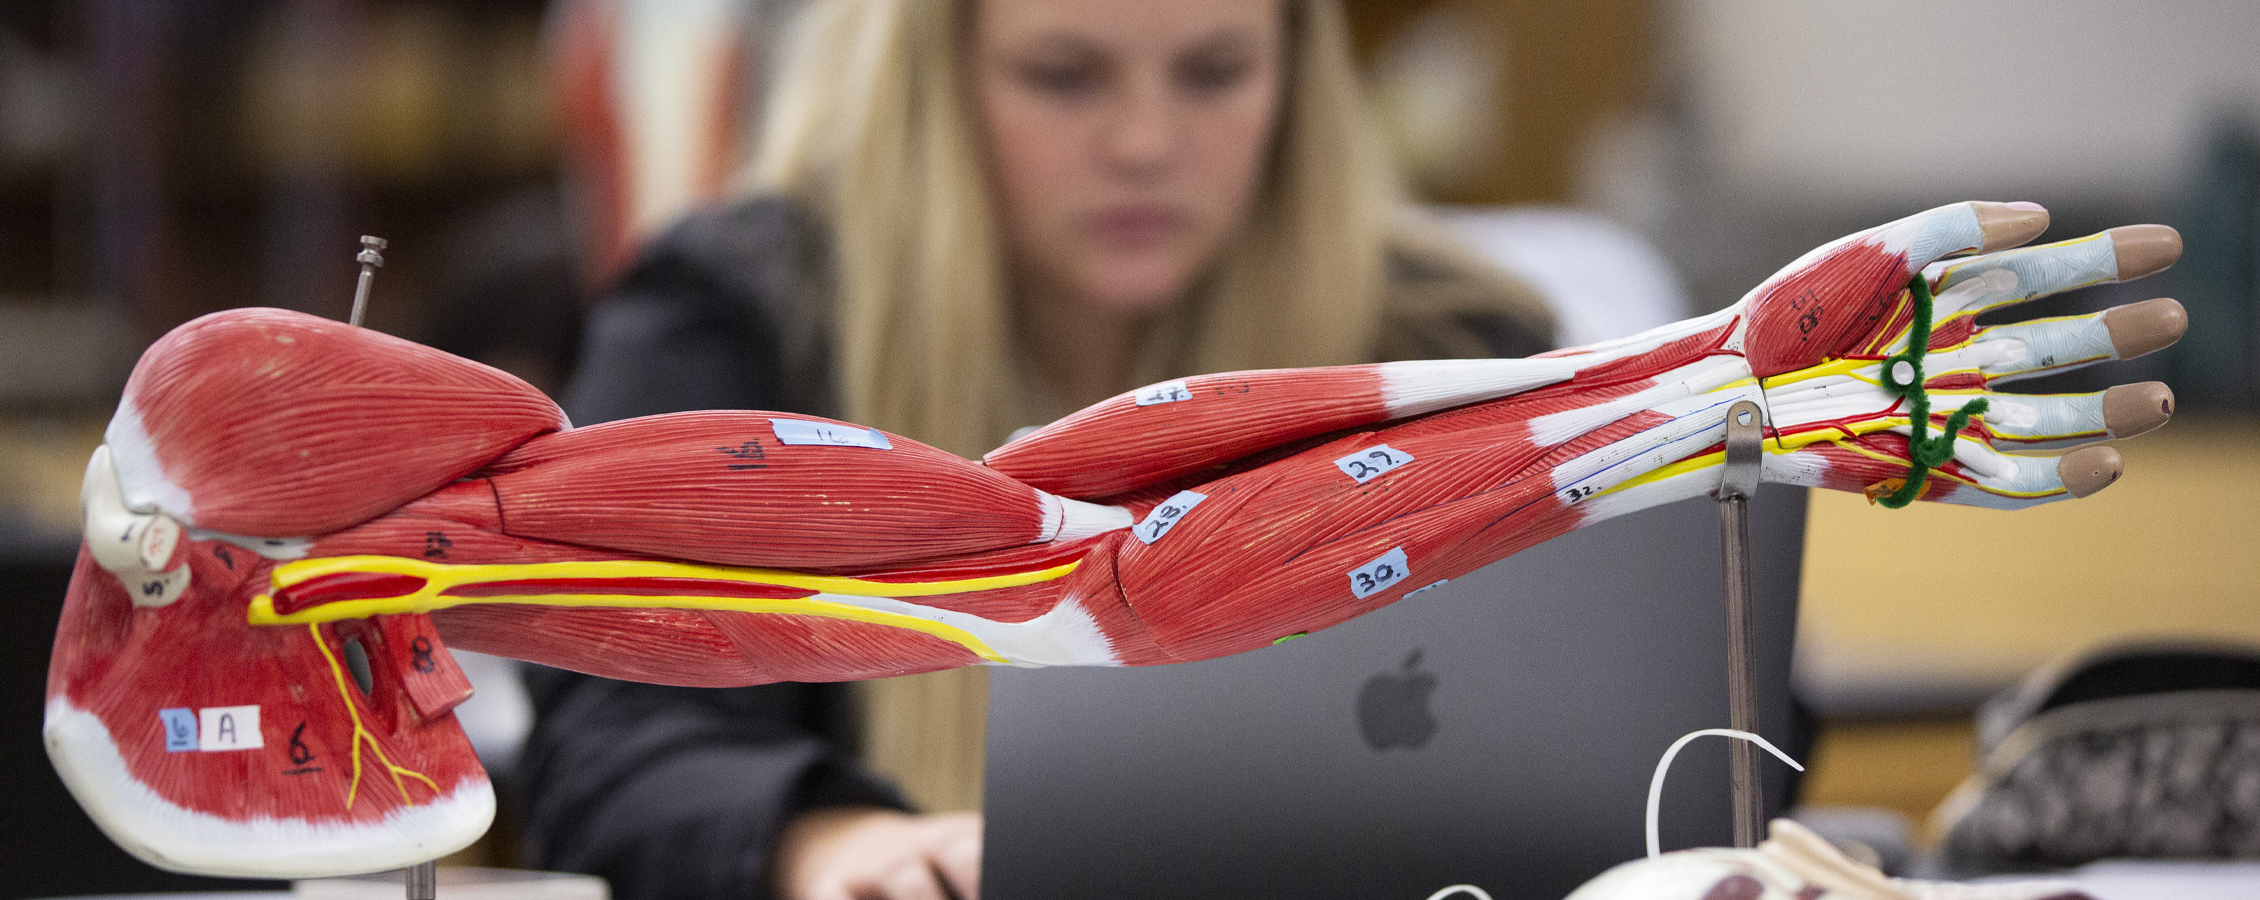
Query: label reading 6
[
  {"x": 1370, "y": 463},
  {"x": 1377, "y": 576},
  {"x": 1166, "y": 515}
]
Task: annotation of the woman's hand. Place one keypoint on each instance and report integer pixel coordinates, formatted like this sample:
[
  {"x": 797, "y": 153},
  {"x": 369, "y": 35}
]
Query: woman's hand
[
  {"x": 867, "y": 853},
  {"x": 1829, "y": 339}
]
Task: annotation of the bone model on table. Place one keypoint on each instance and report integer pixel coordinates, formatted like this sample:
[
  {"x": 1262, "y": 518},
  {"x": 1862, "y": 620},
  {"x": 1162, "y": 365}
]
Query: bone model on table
[
  {"x": 1793, "y": 864},
  {"x": 292, "y": 519}
]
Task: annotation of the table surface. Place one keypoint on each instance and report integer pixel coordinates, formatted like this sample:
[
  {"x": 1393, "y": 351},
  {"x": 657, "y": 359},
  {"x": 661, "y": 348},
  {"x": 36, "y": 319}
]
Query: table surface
[{"x": 2107, "y": 880}]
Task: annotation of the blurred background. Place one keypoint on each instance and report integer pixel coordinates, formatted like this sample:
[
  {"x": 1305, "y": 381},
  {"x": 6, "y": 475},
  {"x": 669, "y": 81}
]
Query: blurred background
[{"x": 160, "y": 160}]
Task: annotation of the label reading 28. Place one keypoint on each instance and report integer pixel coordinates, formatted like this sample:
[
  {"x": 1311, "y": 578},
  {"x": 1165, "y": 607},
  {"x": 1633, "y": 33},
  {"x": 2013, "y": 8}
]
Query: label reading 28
[
  {"x": 1376, "y": 576},
  {"x": 1166, "y": 515},
  {"x": 829, "y": 434},
  {"x": 1372, "y": 462},
  {"x": 1165, "y": 392}
]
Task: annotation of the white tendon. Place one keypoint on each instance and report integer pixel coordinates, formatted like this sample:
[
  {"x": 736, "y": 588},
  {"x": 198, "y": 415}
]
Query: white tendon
[
  {"x": 1701, "y": 376},
  {"x": 1066, "y": 635},
  {"x": 1939, "y": 232},
  {"x": 1425, "y": 386},
  {"x": 1777, "y": 467},
  {"x": 2014, "y": 276},
  {"x": 2031, "y": 418},
  {"x": 1633, "y": 345},
  {"x": 141, "y": 477},
  {"x": 1081, "y": 520},
  {"x": 2009, "y": 352},
  {"x": 1697, "y": 422},
  {"x": 172, "y": 837}
]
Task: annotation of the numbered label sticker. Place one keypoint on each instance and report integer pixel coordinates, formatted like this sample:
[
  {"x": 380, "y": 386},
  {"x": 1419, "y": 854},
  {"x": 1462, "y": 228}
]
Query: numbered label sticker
[
  {"x": 228, "y": 728},
  {"x": 801, "y": 431},
  {"x": 1165, "y": 392},
  {"x": 180, "y": 729},
  {"x": 1378, "y": 575},
  {"x": 1167, "y": 515},
  {"x": 1372, "y": 462}
]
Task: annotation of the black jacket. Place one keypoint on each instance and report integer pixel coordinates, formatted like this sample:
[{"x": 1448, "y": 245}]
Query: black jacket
[{"x": 673, "y": 792}]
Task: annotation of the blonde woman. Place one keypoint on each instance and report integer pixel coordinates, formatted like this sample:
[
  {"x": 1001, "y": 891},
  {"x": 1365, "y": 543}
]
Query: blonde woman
[{"x": 965, "y": 218}]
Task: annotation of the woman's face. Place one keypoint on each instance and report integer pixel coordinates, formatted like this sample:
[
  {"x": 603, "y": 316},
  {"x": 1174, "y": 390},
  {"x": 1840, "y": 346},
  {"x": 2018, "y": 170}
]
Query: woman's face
[{"x": 1125, "y": 138}]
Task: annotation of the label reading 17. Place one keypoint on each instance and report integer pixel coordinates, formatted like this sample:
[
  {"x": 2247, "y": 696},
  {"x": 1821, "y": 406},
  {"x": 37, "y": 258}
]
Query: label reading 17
[
  {"x": 1376, "y": 576},
  {"x": 1167, "y": 515},
  {"x": 1370, "y": 463},
  {"x": 1165, "y": 392},
  {"x": 830, "y": 434}
]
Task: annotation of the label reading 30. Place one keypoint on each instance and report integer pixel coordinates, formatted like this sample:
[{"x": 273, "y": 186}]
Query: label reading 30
[{"x": 1377, "y": 576}]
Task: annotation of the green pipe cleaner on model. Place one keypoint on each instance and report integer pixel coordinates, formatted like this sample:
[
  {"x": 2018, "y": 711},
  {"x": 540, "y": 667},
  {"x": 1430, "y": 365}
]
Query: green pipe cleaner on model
[{"x": 1924, "y": 452}]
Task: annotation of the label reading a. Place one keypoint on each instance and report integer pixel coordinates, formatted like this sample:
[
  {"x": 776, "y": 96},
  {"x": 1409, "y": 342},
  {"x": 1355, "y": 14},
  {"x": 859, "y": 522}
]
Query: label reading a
[
  {"x": 180, "y": 729},
  {"x": 1372, "y": 462},
  {"x": 1376, "y": 576},
  {"x": 1165, "y": 392},
  {"x": 1166, "y": 515},
  {"x": 828, "y": 434},
  {"x": 228, "y": 728}
]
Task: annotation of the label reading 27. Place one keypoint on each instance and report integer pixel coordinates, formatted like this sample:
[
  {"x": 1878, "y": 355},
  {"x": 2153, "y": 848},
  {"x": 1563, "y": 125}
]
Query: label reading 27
[
  {"x": 1377, "y": 576},
  {"x": 1166, "y": 515},
  {"x": 1165, "y": 392},
  {"x": 1372, "y": 462},
  {"x": 829, "y": 434}
]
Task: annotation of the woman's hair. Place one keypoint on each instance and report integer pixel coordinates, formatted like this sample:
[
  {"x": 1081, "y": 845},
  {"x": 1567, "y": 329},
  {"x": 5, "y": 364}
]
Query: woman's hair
[{"x": 872, "y": 126}]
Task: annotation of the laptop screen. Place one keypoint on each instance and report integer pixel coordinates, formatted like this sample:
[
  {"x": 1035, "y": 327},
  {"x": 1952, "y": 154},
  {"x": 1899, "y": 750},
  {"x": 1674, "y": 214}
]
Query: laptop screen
[{"x": 1499, "y": 730}]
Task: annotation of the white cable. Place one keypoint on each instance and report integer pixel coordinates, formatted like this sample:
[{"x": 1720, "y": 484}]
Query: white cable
[
  {"x": 1656, "y": 785},
  {"x": 1655, "y": 797}
]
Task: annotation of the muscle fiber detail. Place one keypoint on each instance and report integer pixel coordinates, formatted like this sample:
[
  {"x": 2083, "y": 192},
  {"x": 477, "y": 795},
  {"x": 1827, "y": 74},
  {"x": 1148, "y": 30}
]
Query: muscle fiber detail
[
  {"x": 275, "y": 423},
  {"x": 721, "y": 487}
]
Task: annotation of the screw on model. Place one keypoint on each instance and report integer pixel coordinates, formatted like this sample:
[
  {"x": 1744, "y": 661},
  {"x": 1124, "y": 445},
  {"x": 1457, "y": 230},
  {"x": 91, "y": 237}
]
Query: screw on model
[{"x": 370, "y": 258}]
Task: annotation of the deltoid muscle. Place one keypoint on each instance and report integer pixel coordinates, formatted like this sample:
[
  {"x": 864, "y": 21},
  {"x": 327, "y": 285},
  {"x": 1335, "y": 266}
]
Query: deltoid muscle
[{"x": 292, "y": 519}]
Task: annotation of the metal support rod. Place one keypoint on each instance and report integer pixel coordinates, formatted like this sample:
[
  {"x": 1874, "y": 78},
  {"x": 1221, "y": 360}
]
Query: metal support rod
[
  {"x": 423, "y": 881},
  {"x": 423, "y": 877},
  {"x": 370, "y": 257},
  {"x": 1745, "y": 449}
]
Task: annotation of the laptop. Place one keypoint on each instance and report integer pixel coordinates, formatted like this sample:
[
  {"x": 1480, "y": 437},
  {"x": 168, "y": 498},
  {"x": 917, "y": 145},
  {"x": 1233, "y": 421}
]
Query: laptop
[{"x": 1499, "y": 730}]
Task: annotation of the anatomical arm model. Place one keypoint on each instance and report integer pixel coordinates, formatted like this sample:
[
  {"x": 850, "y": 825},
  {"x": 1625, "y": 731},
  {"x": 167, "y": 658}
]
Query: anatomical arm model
[{"x": 289, "y": 514}]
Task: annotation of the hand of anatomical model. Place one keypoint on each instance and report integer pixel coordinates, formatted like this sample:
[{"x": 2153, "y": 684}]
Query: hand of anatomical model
[{"x": 289, "y": 514}]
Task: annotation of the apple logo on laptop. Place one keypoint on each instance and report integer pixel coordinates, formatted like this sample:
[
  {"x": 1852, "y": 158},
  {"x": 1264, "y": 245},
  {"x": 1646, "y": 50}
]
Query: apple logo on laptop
[{"x": 1393, "y": 707}]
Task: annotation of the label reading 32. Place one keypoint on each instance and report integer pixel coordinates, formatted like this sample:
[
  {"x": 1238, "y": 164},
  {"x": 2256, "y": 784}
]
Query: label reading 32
[
  {"x": 1372, "y": 462},
  {"x": 1377, "y": 576},
  {"x": 1166, "y": 515}
]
